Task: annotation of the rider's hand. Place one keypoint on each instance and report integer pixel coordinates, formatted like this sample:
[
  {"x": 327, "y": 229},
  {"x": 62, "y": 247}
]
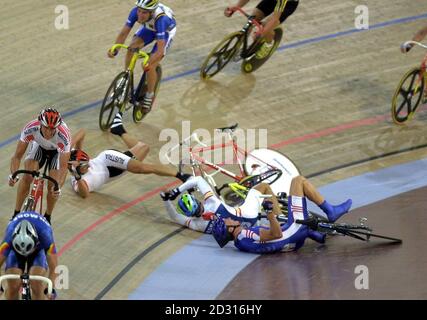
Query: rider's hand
[
  {"x": 170, "y": 195},
  {"x": 74, "y": 171},
  {"x": 12, "y": 181},
  {"x": 405, "y": 48},
  {"x": 112, "y": 54},
  {"x": 56, "y": 193},
  {"x": 147, "y": 67},
  {"x": 52, "y": 296},
  {"x": 228, "y": 12},
  {"x": 267, "y": 205}
]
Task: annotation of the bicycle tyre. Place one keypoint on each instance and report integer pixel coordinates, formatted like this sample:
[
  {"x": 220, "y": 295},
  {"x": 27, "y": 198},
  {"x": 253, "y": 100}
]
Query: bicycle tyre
[
  {"x": 137, "y": 114},
  {"x": 109, "y": 110},
  {"x": 401, "y": 112},
  {"x": 222, "y": 50}
]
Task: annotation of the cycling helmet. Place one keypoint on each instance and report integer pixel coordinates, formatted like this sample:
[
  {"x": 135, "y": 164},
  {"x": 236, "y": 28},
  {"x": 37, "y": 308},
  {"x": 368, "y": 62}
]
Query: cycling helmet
[
  {"x": 50, "y": 117},
  {"x": 220, "y": 232},
  {"x": 147, "y": 4},
  {"x": 24, "y": 239},
  {"x": 79, "y": 155},
  {"x": 189, "y": 206}
]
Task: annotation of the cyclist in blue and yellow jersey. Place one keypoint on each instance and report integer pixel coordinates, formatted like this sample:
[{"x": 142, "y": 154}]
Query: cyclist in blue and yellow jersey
[
  {"x": 29, "y": 240},
  {"x": 277, "y": 10},
  {"x": 158, "y": 23}
]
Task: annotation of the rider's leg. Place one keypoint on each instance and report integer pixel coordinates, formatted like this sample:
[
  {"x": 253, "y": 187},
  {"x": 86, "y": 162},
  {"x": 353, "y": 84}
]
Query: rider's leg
[
  {"x": 24, "y": 183},
  {"x": 37, "y": 287},
  {"x": 300, "y": 186},
  {"x": 136, "y": 166},
  {"x": 13, "y": 286}
]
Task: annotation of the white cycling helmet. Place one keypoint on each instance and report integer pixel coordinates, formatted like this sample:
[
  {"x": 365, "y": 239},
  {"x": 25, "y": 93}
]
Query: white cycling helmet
[
  {"x": 147, "y": 4},
  {"x": 24, "y": 239}
]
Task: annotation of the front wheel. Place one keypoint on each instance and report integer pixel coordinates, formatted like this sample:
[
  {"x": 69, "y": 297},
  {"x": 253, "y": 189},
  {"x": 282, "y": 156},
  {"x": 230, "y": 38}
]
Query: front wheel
[
  {"x": 408, "y": 96},
  {"x": 115, "y": 100},
  {"x": 221, "y": 55}
]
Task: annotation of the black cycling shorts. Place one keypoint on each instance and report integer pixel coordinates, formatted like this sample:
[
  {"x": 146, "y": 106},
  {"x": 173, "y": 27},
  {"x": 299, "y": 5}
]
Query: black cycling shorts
[{"x": 267, "y": 7}]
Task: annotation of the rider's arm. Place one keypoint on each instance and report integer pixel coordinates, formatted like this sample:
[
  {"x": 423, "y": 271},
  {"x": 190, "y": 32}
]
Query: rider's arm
[
  {"x": 160, "y": 53},
  {"x": 19, "y": 153},
  {"x": 194, "y": 223},
  {"x": 123, "y": 34},
  {"x": 275, "y": 230},
  {"x": 241, "y": 3},
  {"x": 77, "y": 139},
  {"x": 196, "y": 182},
  {"x": 80, "y": 187},
  {"x": 64, "y": 157},
  {"x": 420, "y": 35},
  {"x": 52, "y": 262}
]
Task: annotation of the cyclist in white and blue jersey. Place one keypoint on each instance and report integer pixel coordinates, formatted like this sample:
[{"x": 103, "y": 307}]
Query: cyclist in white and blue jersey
[{"x": 158, "y": 24}]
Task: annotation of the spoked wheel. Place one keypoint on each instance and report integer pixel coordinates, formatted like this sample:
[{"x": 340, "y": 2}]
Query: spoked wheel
[
  {"x": 221, "y": 55},
  {"x": 138, "y": 114},
  {"x": 269, "y": 176},
  {"x": 251, "y": 62},
  {"x": 408, "y": 96},
  {"x": 115, "y": 99}
]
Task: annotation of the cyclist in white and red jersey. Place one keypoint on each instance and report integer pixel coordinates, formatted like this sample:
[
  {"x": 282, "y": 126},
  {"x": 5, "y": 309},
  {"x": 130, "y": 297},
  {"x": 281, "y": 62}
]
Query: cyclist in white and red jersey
[{"x": 49, "y": 139}]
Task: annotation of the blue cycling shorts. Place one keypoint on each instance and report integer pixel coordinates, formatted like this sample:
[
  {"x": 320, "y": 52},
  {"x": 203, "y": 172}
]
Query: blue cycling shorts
[{"x": 37, "y": 259}]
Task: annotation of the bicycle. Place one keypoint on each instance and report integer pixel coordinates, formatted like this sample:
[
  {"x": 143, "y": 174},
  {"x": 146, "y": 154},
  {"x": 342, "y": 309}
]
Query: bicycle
[
  {"x": 229, "y": 48},
  {"x": 36, "y": 193},
  {"x": 411, "y": 89},
  {"x": 26, "y": 284},
  {"x": 360, "y": 231},
  {"x": 121, "y": 94},
  {"x": 259, "y": 165}
]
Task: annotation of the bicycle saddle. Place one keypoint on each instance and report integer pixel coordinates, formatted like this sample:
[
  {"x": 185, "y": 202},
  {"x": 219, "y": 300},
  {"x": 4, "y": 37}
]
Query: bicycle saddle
[{"x": 231, "y": 128}]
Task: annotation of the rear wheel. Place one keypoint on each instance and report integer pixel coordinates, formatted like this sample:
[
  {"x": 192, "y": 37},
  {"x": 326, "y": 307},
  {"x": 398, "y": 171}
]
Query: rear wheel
[
  {"x": 408, "y": 96},
  {"x": 115, "y": 100},
  {"x": 221, "y": 55}
]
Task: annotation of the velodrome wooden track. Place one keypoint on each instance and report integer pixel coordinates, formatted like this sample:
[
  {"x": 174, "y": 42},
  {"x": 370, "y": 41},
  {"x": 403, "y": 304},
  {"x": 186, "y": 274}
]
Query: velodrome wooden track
[{"x": 335, "y": 92}]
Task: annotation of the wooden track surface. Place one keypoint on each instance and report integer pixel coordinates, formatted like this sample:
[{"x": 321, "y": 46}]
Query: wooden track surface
[{"x": 335, "y": 92}]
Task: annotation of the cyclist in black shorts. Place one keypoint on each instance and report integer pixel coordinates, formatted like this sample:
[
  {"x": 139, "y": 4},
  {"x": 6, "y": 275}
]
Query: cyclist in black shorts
[
  {"x": 277, "y": 10},
  {"x": 89, "y": 175}
]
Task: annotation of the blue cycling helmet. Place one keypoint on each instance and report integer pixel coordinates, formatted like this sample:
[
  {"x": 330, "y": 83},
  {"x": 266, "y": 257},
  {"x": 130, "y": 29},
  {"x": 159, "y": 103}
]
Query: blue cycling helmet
[
  {"x": 220, "y": 232},
  {"x": 189, "y": 206}
]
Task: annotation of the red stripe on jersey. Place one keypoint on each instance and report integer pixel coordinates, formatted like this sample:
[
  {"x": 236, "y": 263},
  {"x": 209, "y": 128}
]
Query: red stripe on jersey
[
  {"x": 65, "y": 131},
  {"x": 32, "y": 124}
]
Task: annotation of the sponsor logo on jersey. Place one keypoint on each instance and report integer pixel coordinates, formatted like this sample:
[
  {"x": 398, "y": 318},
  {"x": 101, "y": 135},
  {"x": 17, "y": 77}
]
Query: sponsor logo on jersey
[
  {"x": 114, "y": 158},
  {"x": 62, "y": 137},
  {"x": 31, "y": 130}
]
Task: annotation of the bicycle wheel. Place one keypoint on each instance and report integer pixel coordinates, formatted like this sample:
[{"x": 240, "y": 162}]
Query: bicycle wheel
[
  {"x": 231, "y": 198},
  {"x": 221, "y": 55},
  {"x": 138, "y": 114},
  {"x": 252, "y": 63},
  {"x": 407, "y": 96},
  {"x": 115, "y": 99}
]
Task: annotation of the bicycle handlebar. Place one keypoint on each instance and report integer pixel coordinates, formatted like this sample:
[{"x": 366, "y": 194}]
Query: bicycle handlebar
[
  {"x": 37, "y": 174},
  {"x": 251, "y": 18},
  {"x": 31, "y": 277},
  {"x": 141, "y": 54},
  {"x": 415, "y": 42}
]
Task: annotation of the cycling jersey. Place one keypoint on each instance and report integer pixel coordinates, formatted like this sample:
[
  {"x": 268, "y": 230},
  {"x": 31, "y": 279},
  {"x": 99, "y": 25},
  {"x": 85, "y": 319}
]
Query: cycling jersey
[
  {"x": 284, "y": 7},
  {"x": 293, "y": 234},
  {"x": 162, "y": 21},
  {"x": 247, "y": 213},
  {"x": 108, "y": 165},
  {"x": 45, "y": 245},
  {"x": 61, "y": 140}
]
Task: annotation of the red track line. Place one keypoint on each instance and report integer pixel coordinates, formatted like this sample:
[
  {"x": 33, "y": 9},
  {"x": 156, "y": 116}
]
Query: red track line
[
  {"x": 113, "y": 213},
  {"x": 314, "y": 135}
]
